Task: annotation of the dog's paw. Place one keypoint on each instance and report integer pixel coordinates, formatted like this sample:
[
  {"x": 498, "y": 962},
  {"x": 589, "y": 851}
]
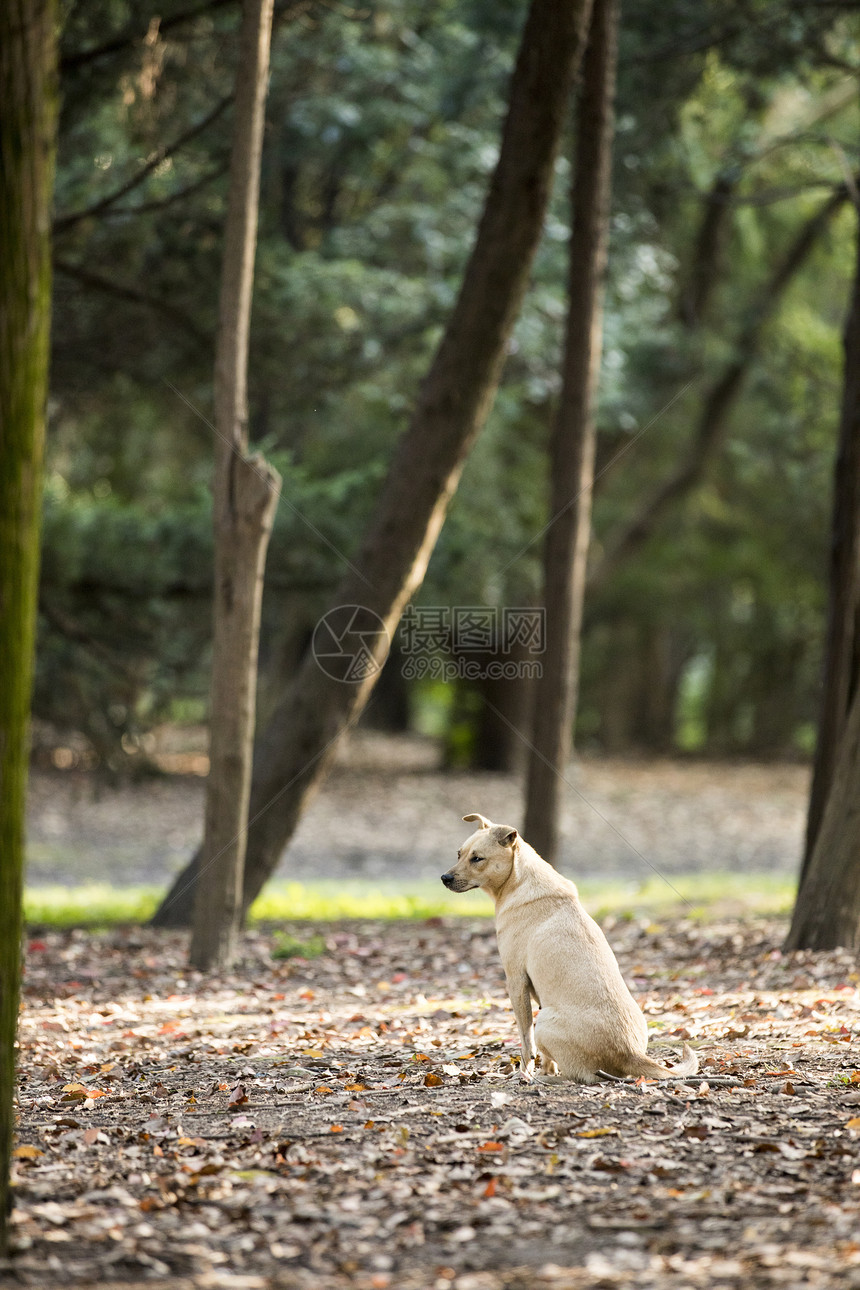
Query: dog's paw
[{"x": 527, "y": 1072}]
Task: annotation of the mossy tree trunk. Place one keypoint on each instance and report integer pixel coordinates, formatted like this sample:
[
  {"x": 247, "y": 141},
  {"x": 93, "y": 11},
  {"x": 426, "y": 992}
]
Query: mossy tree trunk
[
  {"x": 27, "y": 130},
  {"x": 245, "y": 498}
]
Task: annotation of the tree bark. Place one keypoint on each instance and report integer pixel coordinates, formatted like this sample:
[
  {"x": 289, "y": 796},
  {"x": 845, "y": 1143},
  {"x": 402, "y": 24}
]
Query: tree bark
[
  {"x": 245, "y": 498},
  {"x": 27, "y": 132},
  {"x": 297, "y": 746},
  {"x": 573, "y": 439},
  {"x": 705, "y": 264},
  {"x": 720, "y": 400},
  {"x": 827, "y": 911},
  {"x": 841, "y": 645}
]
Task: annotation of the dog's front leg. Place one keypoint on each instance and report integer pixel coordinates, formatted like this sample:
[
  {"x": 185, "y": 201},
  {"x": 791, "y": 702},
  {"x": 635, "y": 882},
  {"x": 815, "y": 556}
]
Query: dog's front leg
[{"x": 520, "y": 993}]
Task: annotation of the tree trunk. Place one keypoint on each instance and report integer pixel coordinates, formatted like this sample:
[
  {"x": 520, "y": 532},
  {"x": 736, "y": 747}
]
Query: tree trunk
[
  {"x": 572, "y": 447},
  {"x": 245, "y": 497},
  {"x": 27, "y": 130},
  {"x": 704, "y": 268},
  {"x": 505, "y": 707},
  {"x": 720, "y": 400},
  {"x": 841, "y": 647},
  {"x": 298, "y": 743},
  {"x": 827, "y": 911}
]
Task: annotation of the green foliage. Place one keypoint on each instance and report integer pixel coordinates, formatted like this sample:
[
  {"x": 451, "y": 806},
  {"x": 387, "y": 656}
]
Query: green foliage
[{"x": 382, "y": 131}]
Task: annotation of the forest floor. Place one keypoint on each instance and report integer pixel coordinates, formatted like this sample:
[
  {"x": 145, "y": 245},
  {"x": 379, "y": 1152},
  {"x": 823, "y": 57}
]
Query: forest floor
[{"x": 357, "y": 1119}]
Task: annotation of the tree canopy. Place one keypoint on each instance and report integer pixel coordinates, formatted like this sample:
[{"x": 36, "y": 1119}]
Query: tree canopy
[{"x": 736, "y": 125}]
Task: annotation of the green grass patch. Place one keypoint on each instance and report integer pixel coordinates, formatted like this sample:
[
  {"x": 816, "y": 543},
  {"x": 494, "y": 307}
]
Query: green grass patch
[
  {"x": 706, "y": 897},
  {"x": 89, "y": 905},
  {"x": 293, "y": 947},
  {"x": 702, "y": 896}
]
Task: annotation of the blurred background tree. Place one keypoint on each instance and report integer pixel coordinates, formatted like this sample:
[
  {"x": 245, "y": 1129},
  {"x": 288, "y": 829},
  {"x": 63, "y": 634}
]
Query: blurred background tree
[{"x": 736, "y": 126}]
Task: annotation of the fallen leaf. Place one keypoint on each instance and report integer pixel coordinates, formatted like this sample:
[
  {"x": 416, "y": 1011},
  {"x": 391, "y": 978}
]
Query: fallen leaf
[
  {"x": 491, "y": 1146},
  {"x": 432, "y": 1080},
  {"x": 597, "y": 1133},
  {"x": 27, "y": 1153}
]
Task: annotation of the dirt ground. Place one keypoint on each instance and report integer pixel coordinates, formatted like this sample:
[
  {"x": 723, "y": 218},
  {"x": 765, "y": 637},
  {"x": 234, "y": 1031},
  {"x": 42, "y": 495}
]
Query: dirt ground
[
  {"x": 357, "y": 1119},
  {"x": 387, "y": 810}
]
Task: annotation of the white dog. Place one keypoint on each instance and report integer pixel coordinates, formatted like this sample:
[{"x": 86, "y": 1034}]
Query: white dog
[{"x": 553, "y": 952}]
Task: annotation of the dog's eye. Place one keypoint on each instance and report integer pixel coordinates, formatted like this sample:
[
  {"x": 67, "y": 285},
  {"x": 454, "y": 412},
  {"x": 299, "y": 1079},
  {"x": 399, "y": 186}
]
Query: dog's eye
[{"x": 477, "y": 859}]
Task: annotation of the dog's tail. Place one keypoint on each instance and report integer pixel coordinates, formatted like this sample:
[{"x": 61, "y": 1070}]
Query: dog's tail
[{"x": 644, "y": 1065}]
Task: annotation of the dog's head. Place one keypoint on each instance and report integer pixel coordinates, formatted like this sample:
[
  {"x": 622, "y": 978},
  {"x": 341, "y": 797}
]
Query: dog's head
[{"x": 485, "y": 859}]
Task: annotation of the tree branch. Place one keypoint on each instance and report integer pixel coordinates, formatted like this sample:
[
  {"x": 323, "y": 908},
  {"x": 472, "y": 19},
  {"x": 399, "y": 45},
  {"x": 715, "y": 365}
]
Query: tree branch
[
  {"x": 133, "y": 34},
  {"x": 63, "y": 222},
  {"x": 160, "y": 204},
  {"x": 721, "y": 398},
  {"x": 124, "y": 291}
]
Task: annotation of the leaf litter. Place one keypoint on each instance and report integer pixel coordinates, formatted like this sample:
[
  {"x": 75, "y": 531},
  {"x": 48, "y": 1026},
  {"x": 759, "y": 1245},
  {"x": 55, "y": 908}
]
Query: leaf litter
[{"x": 358, "y": 1119}]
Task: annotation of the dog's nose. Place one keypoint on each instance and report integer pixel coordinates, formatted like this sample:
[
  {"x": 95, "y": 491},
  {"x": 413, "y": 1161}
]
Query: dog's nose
[{"x": 448, "y": 879}]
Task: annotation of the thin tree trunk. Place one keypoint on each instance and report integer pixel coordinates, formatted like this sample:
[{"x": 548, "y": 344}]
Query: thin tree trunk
[
  {"x": 297, "y": 746},
  {"x": 245, "y": 497},
  {"x": 572, "y": 447},
  {"x": 27, "y": 132},
  {"x": 827, "y": 911},
  {"x": 720, "y": 400},
  {"x": 706, "y": 260},
  {"x": 841, "y": 647}
]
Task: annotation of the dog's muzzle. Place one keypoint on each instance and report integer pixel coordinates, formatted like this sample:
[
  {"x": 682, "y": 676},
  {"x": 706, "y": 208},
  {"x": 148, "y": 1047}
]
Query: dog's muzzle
[{"x": 448, "y": 879}]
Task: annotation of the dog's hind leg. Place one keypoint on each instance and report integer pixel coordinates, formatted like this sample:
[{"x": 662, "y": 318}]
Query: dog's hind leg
[{"x": 548, "y": 1064}]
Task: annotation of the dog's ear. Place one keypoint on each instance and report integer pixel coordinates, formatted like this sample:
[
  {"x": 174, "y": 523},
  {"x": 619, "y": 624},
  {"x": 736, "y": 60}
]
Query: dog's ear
[
  {"x": 482, "y": 820},
  {"x": 505, "y": 835}
]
